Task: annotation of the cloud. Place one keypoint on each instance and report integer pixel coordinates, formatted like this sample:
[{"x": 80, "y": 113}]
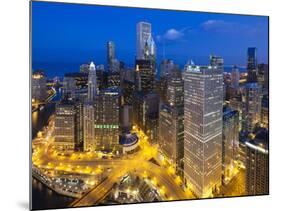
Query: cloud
[
  {"x": 172, "y": 35},
  {"x": 217, "y": 25},
  {"x": 222, "y": 26}
]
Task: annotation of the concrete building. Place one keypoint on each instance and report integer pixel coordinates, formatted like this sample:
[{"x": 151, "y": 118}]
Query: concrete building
[{"x": 39, "y": 87}]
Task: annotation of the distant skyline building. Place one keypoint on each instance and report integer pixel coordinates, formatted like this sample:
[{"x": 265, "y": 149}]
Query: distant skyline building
[
  {"x": 175, "y": 88},
  {"x": 252, "y": 105},
  {"x": 110, "y": 53},
  {"x": 143, "y": 35},
  {"x": 92, "y": 82},
  {"x": 217, "y": 61},
  {"x": 145, "y": 73},
  {"x": 257, "y": 165},
  {"x": 203, "y": 108},
  {"x": 107, "y": 119},
  {"x": 235, "y": 77},
  {"x": 252, "y": 65},
  {"x": 39, "y": 86}
]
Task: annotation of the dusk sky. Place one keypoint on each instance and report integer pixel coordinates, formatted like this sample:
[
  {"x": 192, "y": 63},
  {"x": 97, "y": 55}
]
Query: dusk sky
[{"x": 66, "y": 35}]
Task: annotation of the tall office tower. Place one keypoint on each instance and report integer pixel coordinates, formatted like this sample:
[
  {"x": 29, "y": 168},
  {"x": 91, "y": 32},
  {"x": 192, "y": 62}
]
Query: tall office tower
[
  {"x": 92, "y": 82},
  {"x": 143, "y": 35},
  {"x": 252, "y": 106},
  {"x": 237, "y": 104},
  {"x": 65, "y": 134},
  {"x": 217, "y": 61},
  {"x": 252, "y": 65},
  {"x": 89, "y": 127},
  {"x": 203, "y": 105},
  {"x": 263, "y": 77},
  {"x": 166, "y": 66},
  {"x": 230, "y": 143},
  {"x": 171, "y": 134},
  {"x": 257, "y": 164},
  {"x": 107, "y": 110},
  {"x": 110, "y": 54},
  {"x": 175, "y": 91},
  {"x": 235, "y": 77},
  {"x": 39, "y": 87},
  {"x": 145, "y": 73},
  {"x": 146, "y": 113}
]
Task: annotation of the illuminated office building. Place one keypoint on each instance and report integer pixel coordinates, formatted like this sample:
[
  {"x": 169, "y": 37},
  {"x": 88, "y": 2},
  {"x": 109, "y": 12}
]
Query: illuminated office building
[
  {"x": 145, "y": 73},
  {"x": 110, "y": 55},
  {"x": 65, "y": 120},
  {"x": 230, "y": 143},
  {"x": 257, "y": 164},
  {"x": 235, "y": 77},
  {"x": 175, "y": 92},
  {"x": 217, "y": 61},
  {"x": 265, "y": 112},
  {"x": 252, "y": 106},
  {"x": 252, "y": 65},
  {"x": 166, "y": 66},
  {"x": 107, "y": 111},
  {"x": 39, "y": 87},
  {"x": 89, "y": 127},
  {"x": 171, "y": 134},
  {"x": 203, "y": 105},
  {"x": 92, "y": 82}
]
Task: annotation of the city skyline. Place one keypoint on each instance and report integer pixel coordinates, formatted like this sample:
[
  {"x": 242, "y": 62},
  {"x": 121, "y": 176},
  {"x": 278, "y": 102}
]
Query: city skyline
[
  {"x": 156, "y": 129},
  {"x": 72, "y": 35}
]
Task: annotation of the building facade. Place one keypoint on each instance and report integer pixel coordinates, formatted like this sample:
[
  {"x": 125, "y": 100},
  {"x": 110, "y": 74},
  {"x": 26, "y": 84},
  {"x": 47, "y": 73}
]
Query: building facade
[{"x": 203, "y": 105}]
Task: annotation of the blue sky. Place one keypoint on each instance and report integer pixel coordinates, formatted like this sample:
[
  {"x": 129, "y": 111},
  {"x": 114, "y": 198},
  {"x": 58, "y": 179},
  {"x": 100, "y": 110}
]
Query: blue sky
[{"x": 70, "y": 34}]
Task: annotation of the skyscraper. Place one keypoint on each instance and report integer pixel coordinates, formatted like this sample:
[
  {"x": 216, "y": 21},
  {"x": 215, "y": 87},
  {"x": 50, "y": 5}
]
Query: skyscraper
[
  {"x": 145, "y": 73},
  {"x": 65, "y": 126},
  {"x": 230, "y": 143},
  {"x": 203, "y": 104},
  {"x": 110, "y": 52},
  {"x": 39, "y": 87},
  {"x": 252, "y": 65},
  {"x": 252, "y": 106},
  {"x": 92, "y": 82},
  {"x": 143, "y": 35},
  {"x": 235, "y": 77},
  {"x": 88, "y": 127},
  {"x": 171, "y": 134},
  {"x": 107, "y": 119},
  {"x": 257, "y": 164},
  {"x": 217, "y": 61},
  {"x": 175, "y": 88}
]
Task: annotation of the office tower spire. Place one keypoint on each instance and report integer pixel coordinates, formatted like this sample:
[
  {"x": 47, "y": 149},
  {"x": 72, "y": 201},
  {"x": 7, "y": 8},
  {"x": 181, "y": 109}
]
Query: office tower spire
[{"x": 92, "y": 82}]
